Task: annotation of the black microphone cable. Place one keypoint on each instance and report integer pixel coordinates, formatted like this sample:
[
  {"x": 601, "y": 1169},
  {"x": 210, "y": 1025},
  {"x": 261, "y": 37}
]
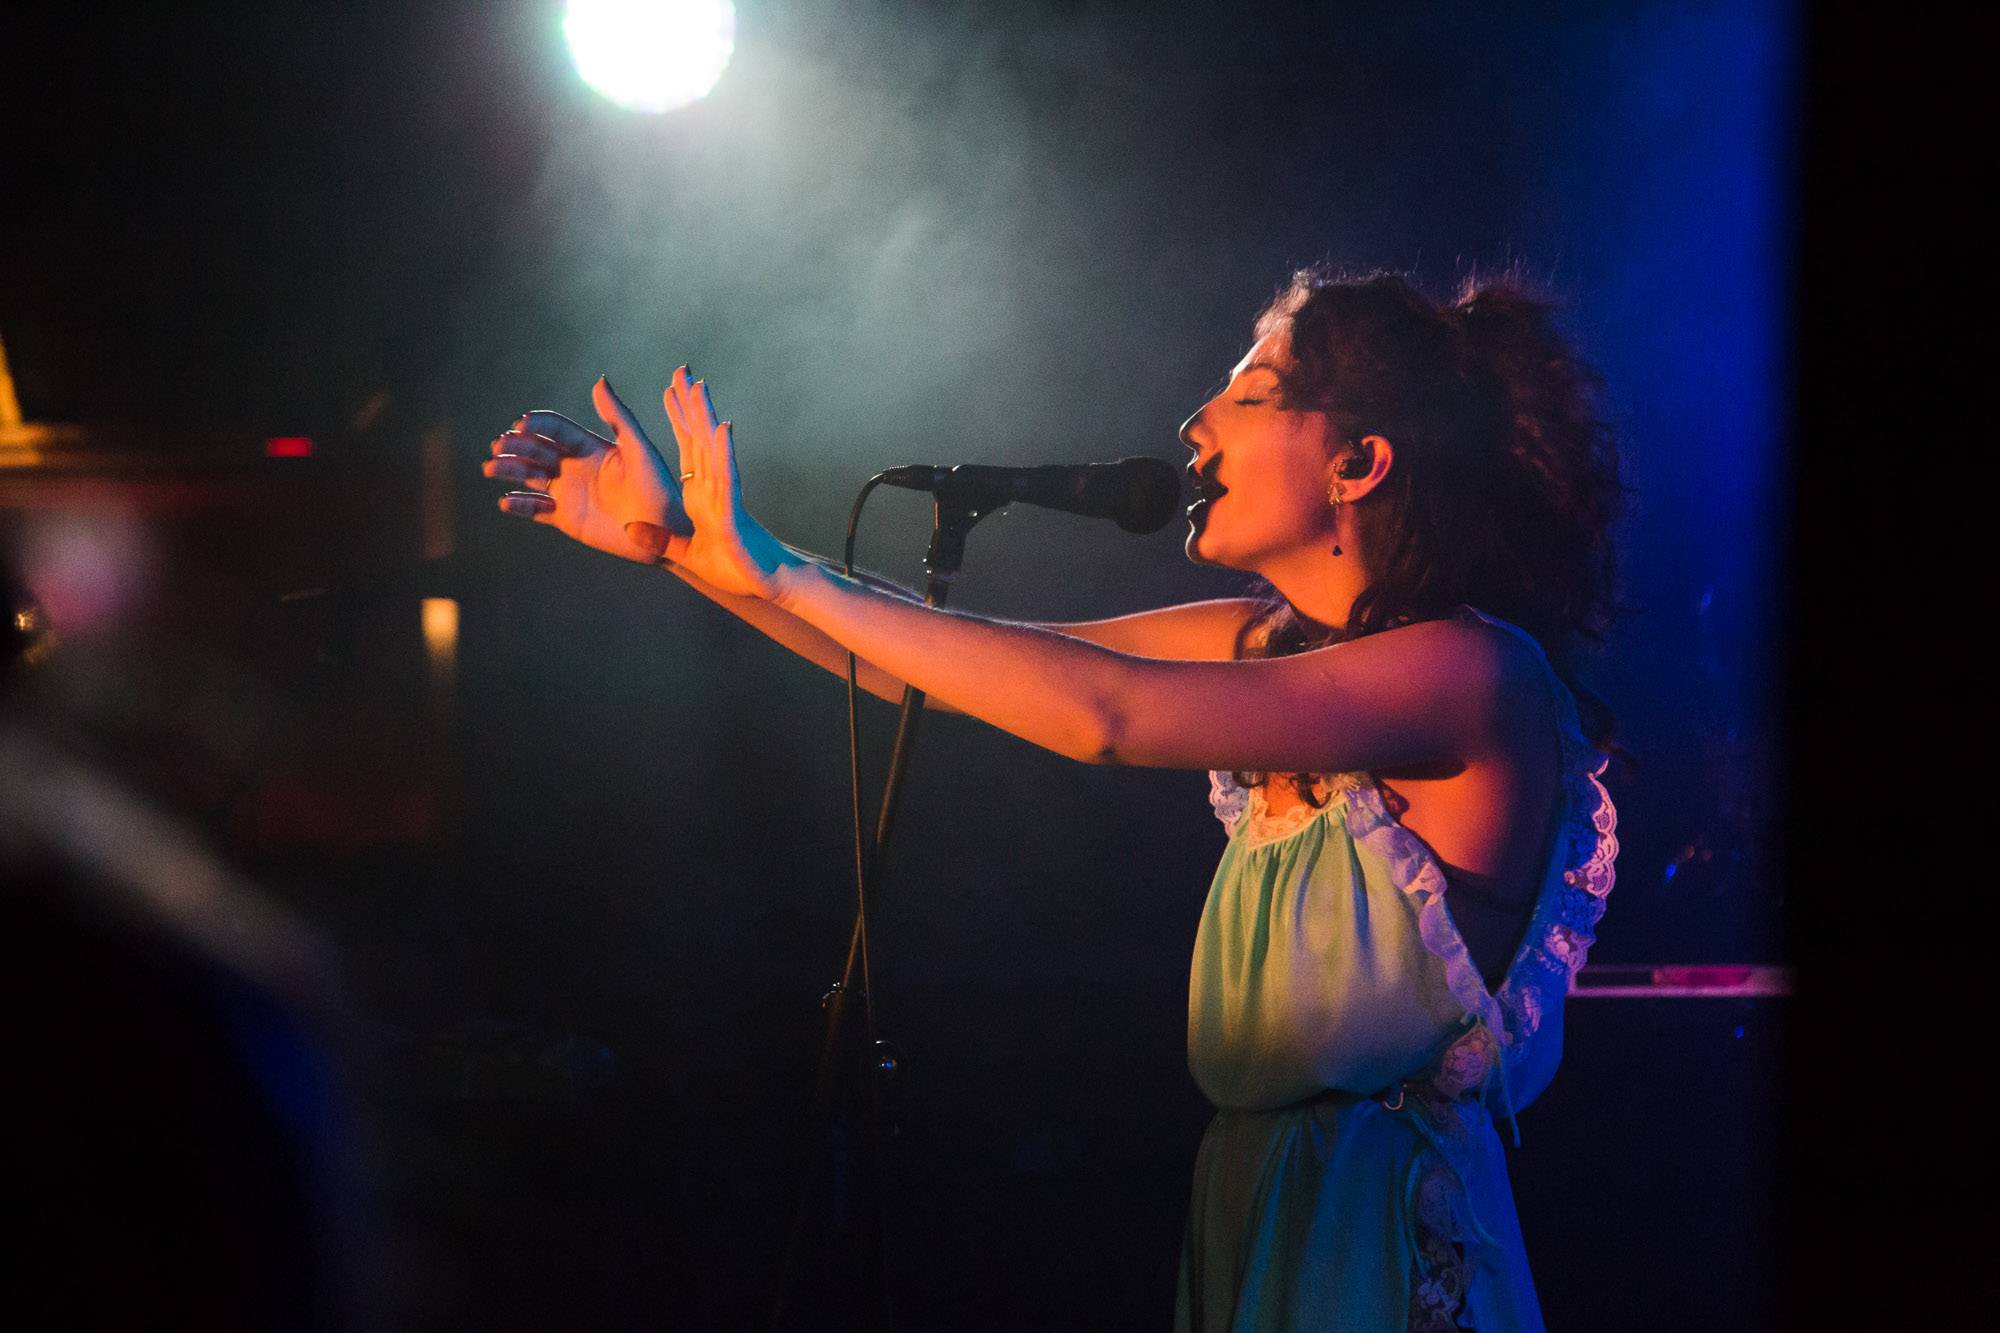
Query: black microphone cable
[
  {"x": 859, "y": 941},
  {"x": 835, "y": 1000}
]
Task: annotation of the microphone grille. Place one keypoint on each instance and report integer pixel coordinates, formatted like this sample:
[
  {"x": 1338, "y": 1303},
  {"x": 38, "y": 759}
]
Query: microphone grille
[{"x": 1151, "y": 494}]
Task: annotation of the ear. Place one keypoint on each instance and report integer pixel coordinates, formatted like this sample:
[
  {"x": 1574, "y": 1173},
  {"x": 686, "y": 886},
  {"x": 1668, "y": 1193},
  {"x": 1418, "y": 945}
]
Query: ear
[{"x": 1379, "y": 456}]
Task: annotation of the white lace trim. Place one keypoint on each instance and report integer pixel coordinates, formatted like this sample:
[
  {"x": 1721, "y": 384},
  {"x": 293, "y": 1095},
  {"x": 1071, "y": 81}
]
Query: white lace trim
[
  {"x": 1561, "y": 933},
  {"x": 1567, "y": 931},
  {"x": 1234, "y": 804},
  {"x": 1415, "y": 870},
  {"x": 1266, "y": 827},
  {"x": 1227, "y": 799},
  {"x": 1563, "y": 930}
]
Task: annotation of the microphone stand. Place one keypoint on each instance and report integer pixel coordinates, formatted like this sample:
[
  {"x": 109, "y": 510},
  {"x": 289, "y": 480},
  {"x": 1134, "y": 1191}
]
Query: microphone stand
[{"x": 868, "y": 1052}]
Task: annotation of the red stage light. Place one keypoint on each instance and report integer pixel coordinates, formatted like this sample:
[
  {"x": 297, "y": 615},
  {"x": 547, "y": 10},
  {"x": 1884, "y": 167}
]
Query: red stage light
[{"x": 288, "y": 446}]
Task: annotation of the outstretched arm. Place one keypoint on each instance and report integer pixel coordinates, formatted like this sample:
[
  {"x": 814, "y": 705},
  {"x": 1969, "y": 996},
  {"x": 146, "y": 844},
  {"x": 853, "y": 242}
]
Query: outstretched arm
[
  {"x": 1427, "y": 692},
  {"x": 786, "y": 629},
  {"x": 1196, "y": 630},
  {"x": 563, "y": 467}
]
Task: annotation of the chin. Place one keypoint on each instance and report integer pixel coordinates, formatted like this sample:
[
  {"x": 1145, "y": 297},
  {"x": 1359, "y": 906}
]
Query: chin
[
  {"x": 1196, "y": 555},
  {"x": 1193, "y": 548}
]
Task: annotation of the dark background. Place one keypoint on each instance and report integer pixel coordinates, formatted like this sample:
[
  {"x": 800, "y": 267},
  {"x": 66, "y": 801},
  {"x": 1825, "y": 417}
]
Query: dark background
[{"x": 588, "y": 888}]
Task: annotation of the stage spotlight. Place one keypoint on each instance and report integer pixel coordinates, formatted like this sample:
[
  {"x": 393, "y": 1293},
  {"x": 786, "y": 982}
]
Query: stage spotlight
[{"x": 651, "y": 55}]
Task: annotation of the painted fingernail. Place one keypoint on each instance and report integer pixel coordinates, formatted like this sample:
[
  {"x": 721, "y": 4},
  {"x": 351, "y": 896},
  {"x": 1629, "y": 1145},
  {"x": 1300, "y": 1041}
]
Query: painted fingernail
[{"x": 519, "y": 423}]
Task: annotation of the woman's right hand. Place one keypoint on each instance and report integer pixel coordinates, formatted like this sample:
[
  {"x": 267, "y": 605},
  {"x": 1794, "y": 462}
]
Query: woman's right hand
[{"x": 616, "y": 495}]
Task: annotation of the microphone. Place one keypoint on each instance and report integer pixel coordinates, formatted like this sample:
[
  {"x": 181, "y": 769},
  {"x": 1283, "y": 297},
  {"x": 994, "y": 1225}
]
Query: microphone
[{"x": 1138, "y": 494}]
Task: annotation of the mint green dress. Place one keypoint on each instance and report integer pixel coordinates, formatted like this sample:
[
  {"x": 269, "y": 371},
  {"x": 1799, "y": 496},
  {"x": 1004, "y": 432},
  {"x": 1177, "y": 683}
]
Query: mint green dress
[{"x": 1353, "y": 1178}]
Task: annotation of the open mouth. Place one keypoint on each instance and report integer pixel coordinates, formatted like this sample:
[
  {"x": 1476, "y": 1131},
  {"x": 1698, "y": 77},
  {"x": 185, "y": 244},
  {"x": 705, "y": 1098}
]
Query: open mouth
[{"x": 1207, "y": 490}]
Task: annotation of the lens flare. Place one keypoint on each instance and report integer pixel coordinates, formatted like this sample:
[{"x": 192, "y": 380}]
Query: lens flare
[{"x": 651, "y": 55}]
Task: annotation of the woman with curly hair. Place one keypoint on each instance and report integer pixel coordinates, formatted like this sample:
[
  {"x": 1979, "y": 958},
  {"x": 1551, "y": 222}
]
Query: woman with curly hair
[{"x": 1418, "y": 848}]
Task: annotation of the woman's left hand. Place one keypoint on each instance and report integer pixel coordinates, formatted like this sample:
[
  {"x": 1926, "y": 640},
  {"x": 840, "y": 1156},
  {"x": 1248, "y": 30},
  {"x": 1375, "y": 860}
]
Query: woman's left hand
[{"x": 729, "y": 549}]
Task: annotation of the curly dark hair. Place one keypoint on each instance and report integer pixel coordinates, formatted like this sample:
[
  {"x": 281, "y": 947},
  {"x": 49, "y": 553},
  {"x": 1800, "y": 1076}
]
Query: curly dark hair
[{"x": 1505, "y": 485}]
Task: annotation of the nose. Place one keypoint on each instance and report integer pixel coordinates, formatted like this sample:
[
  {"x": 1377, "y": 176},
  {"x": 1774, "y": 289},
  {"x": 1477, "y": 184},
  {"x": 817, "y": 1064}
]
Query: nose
[{"x": 1187, "y": 430}]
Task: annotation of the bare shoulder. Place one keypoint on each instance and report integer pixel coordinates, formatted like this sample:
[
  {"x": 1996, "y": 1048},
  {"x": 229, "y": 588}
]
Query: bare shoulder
[
  {"x": 1439, "y": 691},
  {"x": 1193, "y": 631},
  {"x": 1494, "y": 675},
  {"x": 1460, "y": 645},
  {"x": 1513, "y": 672}
]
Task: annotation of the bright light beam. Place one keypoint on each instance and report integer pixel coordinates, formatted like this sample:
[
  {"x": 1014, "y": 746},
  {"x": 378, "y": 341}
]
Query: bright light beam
[{"x": 651, "y": 55}]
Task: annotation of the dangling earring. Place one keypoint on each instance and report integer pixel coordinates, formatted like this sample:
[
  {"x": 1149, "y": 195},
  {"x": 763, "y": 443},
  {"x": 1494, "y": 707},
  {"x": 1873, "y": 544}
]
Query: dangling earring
[{"x": 1334, "y": 497}]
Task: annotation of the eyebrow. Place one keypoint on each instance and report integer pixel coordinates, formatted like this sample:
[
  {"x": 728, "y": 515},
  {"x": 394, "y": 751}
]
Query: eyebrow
[{"x": 1254, "y": 366}]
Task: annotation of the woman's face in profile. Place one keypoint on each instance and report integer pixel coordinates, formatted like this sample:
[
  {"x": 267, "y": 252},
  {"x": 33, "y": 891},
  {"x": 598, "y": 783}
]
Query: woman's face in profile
[{"x": 1261, "y": 472}]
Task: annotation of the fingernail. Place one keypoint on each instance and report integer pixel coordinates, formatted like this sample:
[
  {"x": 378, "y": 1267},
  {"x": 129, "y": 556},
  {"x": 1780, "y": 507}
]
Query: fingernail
[{"x": 519, "y": 423}]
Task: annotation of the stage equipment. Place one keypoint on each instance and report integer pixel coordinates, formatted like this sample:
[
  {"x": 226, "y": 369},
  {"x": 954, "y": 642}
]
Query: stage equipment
[
  {"x": 651, "y": 55},
  {"x": 261, "y": 627},
  {"x": 1140, "y": 495},
  {"x": 1659, "y": 981},
  {"x": 1660, "y": 1151}
]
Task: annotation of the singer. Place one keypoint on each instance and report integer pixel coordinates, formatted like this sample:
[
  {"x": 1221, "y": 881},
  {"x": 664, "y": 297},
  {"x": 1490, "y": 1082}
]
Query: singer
[{"x": 1418, "y": 846}]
